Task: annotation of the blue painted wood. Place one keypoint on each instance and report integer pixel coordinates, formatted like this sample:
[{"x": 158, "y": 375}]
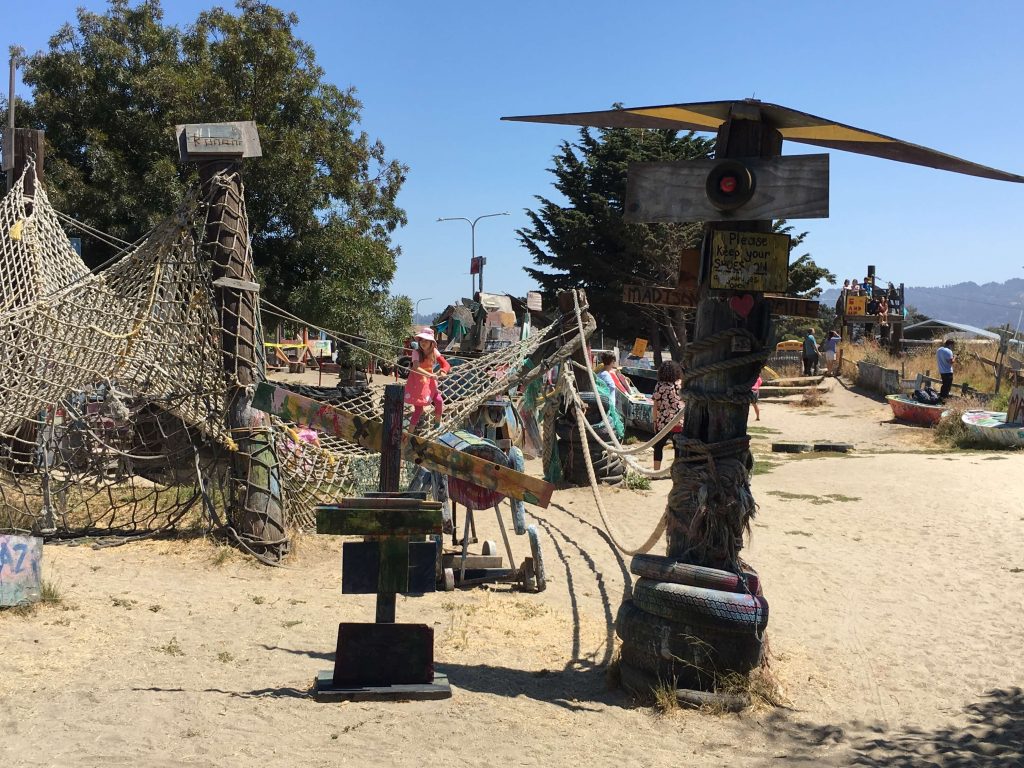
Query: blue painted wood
[{"x": 21, "y": 561}]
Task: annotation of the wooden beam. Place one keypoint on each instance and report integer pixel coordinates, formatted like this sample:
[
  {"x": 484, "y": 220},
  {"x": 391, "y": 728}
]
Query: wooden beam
[
  {"x": 335, "y": 521},
  {"x": 789, "y": 187},
  {"x": 368, "y": 433}
]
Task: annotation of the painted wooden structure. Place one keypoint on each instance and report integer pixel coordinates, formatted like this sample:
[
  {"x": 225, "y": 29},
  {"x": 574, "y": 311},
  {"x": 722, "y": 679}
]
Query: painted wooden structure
[
  {"x": 368, "y": 433},
  {"x": 384, "y": 660},
  {"x": 21, "y": 560},
  {"x": 990, "y": 428}
]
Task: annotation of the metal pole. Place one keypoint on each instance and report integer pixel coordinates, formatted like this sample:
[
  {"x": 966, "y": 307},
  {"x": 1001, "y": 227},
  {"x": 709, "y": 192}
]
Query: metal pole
[
  {"x": 9, "y": 138},
  {"x": 472, "y": 235}
]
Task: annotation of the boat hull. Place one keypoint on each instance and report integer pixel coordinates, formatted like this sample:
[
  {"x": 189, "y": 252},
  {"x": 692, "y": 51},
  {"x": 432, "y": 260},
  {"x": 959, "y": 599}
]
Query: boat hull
[
  {"x": 905, "y": 409},
  {"x": 990, "y": 428}
]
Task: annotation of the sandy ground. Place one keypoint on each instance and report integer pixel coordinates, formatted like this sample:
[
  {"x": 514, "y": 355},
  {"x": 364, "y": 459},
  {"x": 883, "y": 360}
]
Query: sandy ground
[{"x": 894, "y": 576}]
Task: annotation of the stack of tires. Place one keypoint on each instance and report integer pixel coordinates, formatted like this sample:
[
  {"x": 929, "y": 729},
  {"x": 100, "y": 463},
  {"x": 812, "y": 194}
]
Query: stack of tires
[
  {"x": 608, "y": 468},
  {"x": 687, "y": 627}
]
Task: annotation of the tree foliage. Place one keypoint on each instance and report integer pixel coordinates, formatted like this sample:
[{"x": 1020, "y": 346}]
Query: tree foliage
[
  {"x": 584, "y": 242},
  {"x": 322, "y": 199}
]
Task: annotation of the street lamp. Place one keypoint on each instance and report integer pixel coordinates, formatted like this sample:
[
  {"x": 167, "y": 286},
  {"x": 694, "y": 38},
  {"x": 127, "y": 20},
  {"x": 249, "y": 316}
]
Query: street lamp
[
  {"x": 416, "y": 311},
  {"x": 472, "y": 228}
]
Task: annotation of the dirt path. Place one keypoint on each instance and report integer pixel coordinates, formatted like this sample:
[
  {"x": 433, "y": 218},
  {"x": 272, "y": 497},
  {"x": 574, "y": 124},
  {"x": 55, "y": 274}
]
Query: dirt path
[{"x": 894, "y": 577}]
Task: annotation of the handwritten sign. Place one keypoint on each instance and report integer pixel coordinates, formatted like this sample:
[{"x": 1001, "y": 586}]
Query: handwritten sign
[
  {"x": 199, "y": 140},
  {"x": 749, "y": 261},
  {"x": 1015, "y": 408},
  {"x": 662, "y": 297},
  {"x": 856, "y": 305},
  {"x": 639, "y": 348},
  {"x": 21, "y": 559}
]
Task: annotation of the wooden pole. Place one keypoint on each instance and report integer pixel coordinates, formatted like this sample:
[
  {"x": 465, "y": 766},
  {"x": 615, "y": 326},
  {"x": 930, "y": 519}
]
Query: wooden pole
[
  {"x": 390, "y": 471},
  {"x": 258, "y": 509},
  {"x": 28, "y": 143},
  {"x": 715, "y": 410}
]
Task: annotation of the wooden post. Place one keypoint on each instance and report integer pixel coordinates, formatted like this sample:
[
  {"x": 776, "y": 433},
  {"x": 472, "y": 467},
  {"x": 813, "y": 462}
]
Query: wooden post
[
  {"x": 28, "y": 142},
  {"x": 715, "y": 410},
  {"x": 390, "y": 469},
  {"x": 258, "y": 509}
]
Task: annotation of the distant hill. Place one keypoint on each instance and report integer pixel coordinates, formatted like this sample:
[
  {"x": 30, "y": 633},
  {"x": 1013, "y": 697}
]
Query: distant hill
[{"x": 987, "y": 305}]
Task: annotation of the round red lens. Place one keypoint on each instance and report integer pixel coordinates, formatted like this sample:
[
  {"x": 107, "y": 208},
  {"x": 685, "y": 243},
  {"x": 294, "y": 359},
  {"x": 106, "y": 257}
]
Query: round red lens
[{"x": 727, "y": 184}]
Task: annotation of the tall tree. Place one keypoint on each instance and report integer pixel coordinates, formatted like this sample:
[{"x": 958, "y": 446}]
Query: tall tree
[
  {"x": 321, "y": 201},
  {"x": 584, "y": 242}
]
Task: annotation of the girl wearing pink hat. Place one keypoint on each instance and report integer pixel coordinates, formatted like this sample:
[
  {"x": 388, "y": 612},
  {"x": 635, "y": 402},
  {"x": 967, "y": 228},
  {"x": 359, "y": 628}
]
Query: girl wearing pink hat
[{"x": 421, "y": 386}]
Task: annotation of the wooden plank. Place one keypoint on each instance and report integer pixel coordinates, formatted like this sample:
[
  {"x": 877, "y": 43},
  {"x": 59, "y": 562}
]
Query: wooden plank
[
  {"x": 434, "y": 456},
  {"x": 789, "y": 187},
  {"x": 378, "y": 502},
  {"x": 658, "y": 296},
  {"x": 236, "y": 283},
  {"x": 326, "y": 691},
  {"x": 384, "y": 654},
  {"x": 393, "y": 575},
  {"x": 749, "y": 261},
  {"x": 331, "y": 520},
  {"x": 793, "y": 306}
]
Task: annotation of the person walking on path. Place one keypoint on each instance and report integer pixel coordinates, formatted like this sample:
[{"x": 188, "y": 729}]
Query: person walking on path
[
  {"x": 829, "y": 348},
  {"x": 667, "y": 404},
  {"x": 421, "y": 386},
  {"x": 945, "y": 358},
  {"x": 810, "y": 354}
]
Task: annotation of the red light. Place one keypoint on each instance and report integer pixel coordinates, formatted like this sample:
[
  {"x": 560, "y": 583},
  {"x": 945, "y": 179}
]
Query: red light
[{"x": 727, "y": 184}]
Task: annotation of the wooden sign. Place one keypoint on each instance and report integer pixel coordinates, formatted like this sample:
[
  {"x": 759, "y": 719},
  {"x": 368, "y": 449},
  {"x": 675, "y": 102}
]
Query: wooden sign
[
  {"x": 533, "y": 301},
  {"x": 368, "y": 433},
  {"x": 657, "y": 296},
  {"x": 749, "y": 261},
  {"x": 791, "y": 306},
  {"x": 639, "y": 348},
  {"x": 857, "y": 305},
  {"x": 198, "y": 141},
  {"x": 786, "y": 187},
  {"x": 1015, "y": 408},
  {"x": 21, "y": 559}
]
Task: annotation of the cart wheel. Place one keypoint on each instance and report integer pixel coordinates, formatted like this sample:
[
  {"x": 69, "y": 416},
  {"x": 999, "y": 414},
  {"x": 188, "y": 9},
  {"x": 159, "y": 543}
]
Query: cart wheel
[
  {"x": 449, "y": 580},
  {"x": 489, "y": 548},
  {"x": 538, "y": 558}
]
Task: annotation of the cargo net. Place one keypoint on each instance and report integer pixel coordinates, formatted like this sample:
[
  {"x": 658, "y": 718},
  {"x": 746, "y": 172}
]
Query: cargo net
[{"x": 114, "y": 395}]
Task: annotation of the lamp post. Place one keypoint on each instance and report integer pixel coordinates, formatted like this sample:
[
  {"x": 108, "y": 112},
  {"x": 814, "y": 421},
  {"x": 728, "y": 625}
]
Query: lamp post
[
  {"x": 416, "y": 311},
  {"x": 472, "y": 231}
]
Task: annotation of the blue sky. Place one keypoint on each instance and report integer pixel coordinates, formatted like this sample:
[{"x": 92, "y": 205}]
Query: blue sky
[{"x": 436, "y": 77}]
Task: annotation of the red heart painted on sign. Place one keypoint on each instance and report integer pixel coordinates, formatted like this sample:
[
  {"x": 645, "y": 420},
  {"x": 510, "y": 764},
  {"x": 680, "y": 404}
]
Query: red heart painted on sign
[{"x": 742, "y": 305}]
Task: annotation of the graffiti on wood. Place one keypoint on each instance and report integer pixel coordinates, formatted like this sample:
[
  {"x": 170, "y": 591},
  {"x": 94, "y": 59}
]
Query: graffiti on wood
[{"x": 21, "y": 559}]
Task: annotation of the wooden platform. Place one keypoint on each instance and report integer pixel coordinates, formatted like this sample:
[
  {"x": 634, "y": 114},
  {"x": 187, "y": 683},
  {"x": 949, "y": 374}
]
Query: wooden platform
[{"x": 324, "y": 690}]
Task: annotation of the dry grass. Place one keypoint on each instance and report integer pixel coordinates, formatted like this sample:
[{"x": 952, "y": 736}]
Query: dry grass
[
  {"x": 968, "y": 368},
  {"x": 812, "y": 398}
]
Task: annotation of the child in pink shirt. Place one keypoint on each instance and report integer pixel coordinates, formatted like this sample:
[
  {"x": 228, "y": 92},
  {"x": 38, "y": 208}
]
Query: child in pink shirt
[{"x": 421, "y": 386}]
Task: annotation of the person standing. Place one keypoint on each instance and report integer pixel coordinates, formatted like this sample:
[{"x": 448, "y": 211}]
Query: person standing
[
  {"x": 829, "y": 348},
  {"x": 756, "y": 389},
  {"x": 667, "y": 404},
  {"x": 421, "y": 386},
  {"x": 945, "y": 358},
  {"x": 811, "y": 354},
  {"x": 607, "y": 374}
]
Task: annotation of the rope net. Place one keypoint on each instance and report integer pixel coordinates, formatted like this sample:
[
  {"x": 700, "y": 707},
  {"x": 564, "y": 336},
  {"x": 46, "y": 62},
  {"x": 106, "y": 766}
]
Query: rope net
[{"x": 116, "y": 388}]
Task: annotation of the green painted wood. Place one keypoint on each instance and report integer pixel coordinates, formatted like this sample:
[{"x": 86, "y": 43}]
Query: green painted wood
[
  {"x": 334, "y": 521},
  {"x": 368, "y": 433},
  {"x": 377, "y": 502},
  {"x": 393, "y": 575}
]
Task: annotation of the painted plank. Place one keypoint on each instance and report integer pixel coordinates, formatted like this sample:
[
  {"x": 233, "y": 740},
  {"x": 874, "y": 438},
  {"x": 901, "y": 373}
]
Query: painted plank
[
  {"x": 334, "y": 521},
  {"x": 786, "y": 187},
  {"x": 386, "y": 502},
  {"x": 21, "y": 559},
  {"x": 383, "y": 654},
  {"x": 326, "y": 691},
  {"x": 434, "y": 456},
  {"x": 393, "y": 575},
  {"x": 659, "y": 296}
]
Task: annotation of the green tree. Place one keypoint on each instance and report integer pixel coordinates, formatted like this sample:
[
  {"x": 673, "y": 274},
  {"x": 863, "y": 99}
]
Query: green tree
[
  {"x": 322, "y": 199},
  {"x": 584, "y": 242}
]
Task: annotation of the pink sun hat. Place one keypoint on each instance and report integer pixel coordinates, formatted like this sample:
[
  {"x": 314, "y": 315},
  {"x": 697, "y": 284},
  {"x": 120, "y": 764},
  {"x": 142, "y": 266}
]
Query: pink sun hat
[{"x": 427, "y": 334}]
